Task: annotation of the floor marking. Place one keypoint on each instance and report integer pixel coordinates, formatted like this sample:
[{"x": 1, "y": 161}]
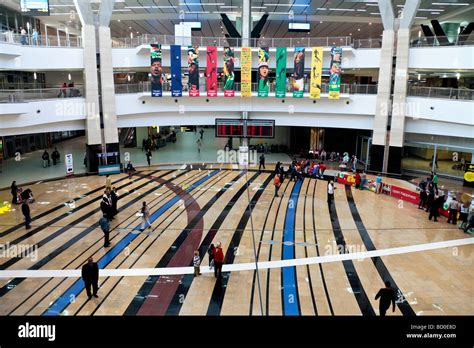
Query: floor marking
[{"x": 75, "y": 273}]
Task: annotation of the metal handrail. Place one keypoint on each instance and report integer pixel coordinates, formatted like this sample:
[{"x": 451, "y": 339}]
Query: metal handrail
[
  {"x": 441, "y": 92},
  {"x": 40, "y": 40},
  {"x": 22, "y": 95},
  {"x": 433, "y": 41},
  {"x": 144, "y": 87}
]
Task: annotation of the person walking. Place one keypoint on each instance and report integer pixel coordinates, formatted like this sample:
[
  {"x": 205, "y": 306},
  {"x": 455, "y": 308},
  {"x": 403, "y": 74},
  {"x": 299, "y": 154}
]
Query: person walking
[
  {"x": 104, "y": 225},
  {"x": 55, "y": 156},
  {"x": 277, "y": 183},
  {"x": 218, "y": 260},
  {"x": 34, "y": 37},
  {"x": 45, "y": 158},
  {"x": 331, "y": 189},
  {"x": 378, "y": 183},
  {"x": 148, "y": 156},
  {"x": 453, "y": 211},
  {"x": 210, "y": 252},
  {"x": 14, "y": 192},
  {"x": 201, "y": 132},
  {"x": 387, "y": 297},
  {"x": 23, "y": 36},
  {"x": 197, "y": 263},
  {"x": 25, "y": 209},
  {"x": 145, "y": 217},
  {"x": 199, "y": 145},
  {"x": 114, "y": 200},
  {"x": 90, "y": 276},
  {"x": 262, "y": 162},
  {"x": 435, "y": 182}
]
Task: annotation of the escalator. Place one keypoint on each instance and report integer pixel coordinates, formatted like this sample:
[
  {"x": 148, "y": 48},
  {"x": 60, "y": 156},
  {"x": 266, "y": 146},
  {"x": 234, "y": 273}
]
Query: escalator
[{"x": 127, "y": 137}]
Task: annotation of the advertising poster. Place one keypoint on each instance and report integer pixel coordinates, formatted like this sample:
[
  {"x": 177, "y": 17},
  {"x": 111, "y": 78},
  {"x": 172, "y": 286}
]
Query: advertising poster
[
  {"x": 335, "y": 73},
  {"x": 156, "y": 71},
  {"x": 229, "y": 74},
  {"x": 176, "y": 83},
  {"x": 193, "y": 71},
  {"x": 211, "y": 71},
  {"x": 298, "y": 74},
  {"x": 263, "y": 58},
  {"x": 69, "y": 164},
  {"x": 280, "y": 89},
  {"x": 316, "y": 72},
  {"x": 246, "y": 72}
]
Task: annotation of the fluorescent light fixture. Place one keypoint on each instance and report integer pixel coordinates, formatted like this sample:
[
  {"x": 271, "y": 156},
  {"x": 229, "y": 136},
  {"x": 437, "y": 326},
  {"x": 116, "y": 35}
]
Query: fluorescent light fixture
[
  {"x": 342, "y": 9},
  {"x": 435, "y": 13},
  {"x": 288, "y": 5},
  {"x": 430, "y": 9},
  {"x": 449, "y": 4},
  {"x": 34, "y": 76},
  {"x": 229, "y": 6},
  {"x": 361, "y": 10},
  {"x": 374, "y": 13},
  {"x": 201, "y": 4},
  {"x": 419, "y": 77},
  {"x": 458, "y": 75},
  {"x": 69, "y": 77},
  {"x": 299, "y": 27},
  {"x": 259, "y": 6},
  {"x": 420, "y": 17}
]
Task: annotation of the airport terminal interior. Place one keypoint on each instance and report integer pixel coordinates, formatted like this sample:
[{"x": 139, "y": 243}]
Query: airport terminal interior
[{"x": 236, "y": 158}]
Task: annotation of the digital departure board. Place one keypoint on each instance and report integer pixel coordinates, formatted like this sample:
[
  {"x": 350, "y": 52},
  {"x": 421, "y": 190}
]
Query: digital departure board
[
  {"x": 245, "y": 128},
  {"x": 35, "y": 7},
  {"x": 229, "y": 128},
  {"x": 260, "y": 128}
]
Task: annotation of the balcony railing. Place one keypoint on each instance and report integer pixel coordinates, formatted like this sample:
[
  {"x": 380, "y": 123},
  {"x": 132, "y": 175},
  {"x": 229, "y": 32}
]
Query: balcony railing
[
  {"x": 440, "y": 92},
  {"x": 461, "y": 40},
  {"x": 144, "y": 87},
  {"x": 23, "y": 95},
  {"x": 201, "y": 41},
  {"x": 41, "y": 40}
]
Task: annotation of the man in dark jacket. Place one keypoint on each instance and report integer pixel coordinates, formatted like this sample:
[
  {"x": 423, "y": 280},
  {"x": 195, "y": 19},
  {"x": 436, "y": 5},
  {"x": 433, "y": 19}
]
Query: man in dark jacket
[
  {"x": 114, "y": 199},
  {"x": 90, "y": 276},
  {"x": 387, "y": 296},
  {"x": 25, "y": 209},
  {"x": 262, "y": 162},
  {"x": 55, "y": 156}
]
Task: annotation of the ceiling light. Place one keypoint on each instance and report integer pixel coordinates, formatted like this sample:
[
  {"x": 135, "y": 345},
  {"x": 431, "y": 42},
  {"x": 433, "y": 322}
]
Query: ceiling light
[
  {"x": 434, "y": 13},
  {"x": 341, "y": 9},
  {"x": 430, "y": 9},
  {"x": 374, "y": 13},
  {"x": 361, "y": 10},
  {"x": 449, "y": 4},
  {"x": 358, "y": 29},
  {"x": 458, "y": 75},
  {"x": 420, "y": 17},
  {"x": 288, "y": 5},
  {"x": 419, "y": 77},
  {"x": 229, "y": 6},
  {"x": 118, "y": 20},
  {"x": 370, "y": 23},
  {"x": 350, "y": 34}
]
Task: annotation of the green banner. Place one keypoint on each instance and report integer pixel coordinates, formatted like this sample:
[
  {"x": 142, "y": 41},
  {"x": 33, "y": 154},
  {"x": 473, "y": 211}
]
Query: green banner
[
  {"x": 263, "y": 57},
  {"x": 280, "y": 89},
  {"x": 335, "y": 73}
]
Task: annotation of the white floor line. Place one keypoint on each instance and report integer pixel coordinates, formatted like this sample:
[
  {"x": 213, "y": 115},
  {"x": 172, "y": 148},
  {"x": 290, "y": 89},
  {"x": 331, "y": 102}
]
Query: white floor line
[{"x": 74, "y": 273}]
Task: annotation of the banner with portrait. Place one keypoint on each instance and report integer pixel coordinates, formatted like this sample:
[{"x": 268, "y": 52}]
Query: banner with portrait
[
  {"x": 298, "y": 74},
  {"x": 229, "y": 74},
  {"x": 280, "y": 88},
  {"x": 263, "y": 60},
  {"x": 211, "y": 71},
  {"x": 176, "y": 83},
  {"x": 316, "y": 72},
  {"x": 335, "y": 73},
  {"x": 193, "y": 71},
  {"x": 156, "y": 71},
  {"x": 246, "y": 72}
]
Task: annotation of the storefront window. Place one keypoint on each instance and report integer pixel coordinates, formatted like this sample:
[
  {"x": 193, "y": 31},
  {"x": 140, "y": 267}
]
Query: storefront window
[{"x": 452, "y": 161}]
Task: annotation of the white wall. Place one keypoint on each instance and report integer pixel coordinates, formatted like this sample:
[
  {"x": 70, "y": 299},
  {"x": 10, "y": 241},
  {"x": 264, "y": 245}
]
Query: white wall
[
  {"x": 446, "y": 110},
  {"x": 17, "y": 57},
  {"x": 455, "y": 57}
]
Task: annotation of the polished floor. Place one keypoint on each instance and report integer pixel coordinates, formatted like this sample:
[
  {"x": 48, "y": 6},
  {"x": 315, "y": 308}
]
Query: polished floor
[{"x": 302, "y": 271}]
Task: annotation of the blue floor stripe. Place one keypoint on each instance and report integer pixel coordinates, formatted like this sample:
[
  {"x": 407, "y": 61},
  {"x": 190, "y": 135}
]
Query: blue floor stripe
[
  {"x": 290, "y": 295},
  {"x": 74, "y": 290}
]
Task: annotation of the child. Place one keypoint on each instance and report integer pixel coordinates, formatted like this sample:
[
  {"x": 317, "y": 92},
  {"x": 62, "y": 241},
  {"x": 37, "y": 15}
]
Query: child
[{"x": 197, "y": 263}]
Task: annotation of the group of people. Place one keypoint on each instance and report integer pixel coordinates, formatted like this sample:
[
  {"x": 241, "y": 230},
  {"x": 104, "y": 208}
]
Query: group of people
[
  {"x": 23, "y": 197},
  {"x": 429, "y": 196},
  {"x": 55, "y": 156},
  {"x": 216, "y": 260},
  {"x": 24, "y": 37},
  {"x": 65, "y": 88}
]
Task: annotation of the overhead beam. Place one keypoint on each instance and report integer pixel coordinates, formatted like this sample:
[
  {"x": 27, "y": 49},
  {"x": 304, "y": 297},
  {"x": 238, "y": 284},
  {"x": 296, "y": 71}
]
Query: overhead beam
[
  {"x": 229, "y": 26},
  {"x": 258, "y": 27}
]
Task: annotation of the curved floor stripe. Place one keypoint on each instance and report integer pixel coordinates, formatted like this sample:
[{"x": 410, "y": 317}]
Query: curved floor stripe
[{"x": 63, "y": 301}]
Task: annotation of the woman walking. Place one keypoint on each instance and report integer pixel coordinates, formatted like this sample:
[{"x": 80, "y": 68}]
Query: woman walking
[{"x": 145, "y": 217}]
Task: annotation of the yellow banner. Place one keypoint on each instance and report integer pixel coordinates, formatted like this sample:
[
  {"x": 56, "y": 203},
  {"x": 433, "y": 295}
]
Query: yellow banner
[
  {"x": 246, "y": 72},
  {"x": 316, "y": 72}
]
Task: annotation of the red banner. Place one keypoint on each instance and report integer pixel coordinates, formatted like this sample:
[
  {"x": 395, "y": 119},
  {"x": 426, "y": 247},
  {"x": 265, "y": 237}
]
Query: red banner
[
  {"x": 211, "y": 71},
  {"x": 404, "y": 194}
]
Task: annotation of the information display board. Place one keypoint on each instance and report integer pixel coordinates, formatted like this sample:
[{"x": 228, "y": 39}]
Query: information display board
[
  {"x": 35, "y": 7},
  {"x": 229, "y": 128},
  {"x": 245, "y": 128}
]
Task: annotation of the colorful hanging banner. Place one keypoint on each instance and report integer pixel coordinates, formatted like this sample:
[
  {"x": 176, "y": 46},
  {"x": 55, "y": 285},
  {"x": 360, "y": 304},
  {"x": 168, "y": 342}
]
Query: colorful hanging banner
[
  {"x": 211, "y": 71},
  {"x": 156, "y": 71},
  {"x": 176, "y": 83},
  {"x": 246, "y": 72},
  {"x": 316, "y": 72},
  {"x": 298, "y": 74},
  {"x": 280, "y": 89},
  {"x": 193, "y": 71},
  {"x": 335, "y": 73},
  {"x": 229, "y": 75},
  {"x": 263, "y": 58}
]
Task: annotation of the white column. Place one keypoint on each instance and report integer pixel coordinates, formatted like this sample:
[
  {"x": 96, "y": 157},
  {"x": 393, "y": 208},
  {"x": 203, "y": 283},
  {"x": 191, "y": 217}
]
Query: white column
[{"x": 246, "y": 22}]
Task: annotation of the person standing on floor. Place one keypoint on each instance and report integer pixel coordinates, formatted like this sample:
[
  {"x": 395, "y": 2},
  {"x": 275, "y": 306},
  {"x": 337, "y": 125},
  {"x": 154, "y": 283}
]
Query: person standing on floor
[
  {"x": 331, "y": 189},
  {"x": 387, "y": 297},
  {"x": 378, "y": 183},
  {"x": 463, "y": 214},
  {"x": 90, "y": 276},
  {"x": 25, "y": 209},
  {"x": 453, "y": 211},
  {"x": 210, "y": 252},
  {"x": 108, "y": 182},
  {"x": 104, "y": 225},
  {"x": 276, "y": 183},
  {"x": 435, "y": 182},
  {"x": 199, "y": 145},
  {"x": 45, "y": 158},
  {"x": 148, "y": 156},
  {"x": 55, "y": 156},
  {"x": 262, "y": 162},
  {"x": 201, "y": 132},
  {"x": 423, "y": 195},
  {"x": 14, "y": 192},
  {"x": 106, "y": 204},
  {"x": 114, "y": 200},
  {"x": 145, "y": 217},
  {"x": 434, "y": 208},
  {"x": 431, "y": 196},
  {"x": 197, "y": 263},
  {"x": 218, "y": 260}
]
